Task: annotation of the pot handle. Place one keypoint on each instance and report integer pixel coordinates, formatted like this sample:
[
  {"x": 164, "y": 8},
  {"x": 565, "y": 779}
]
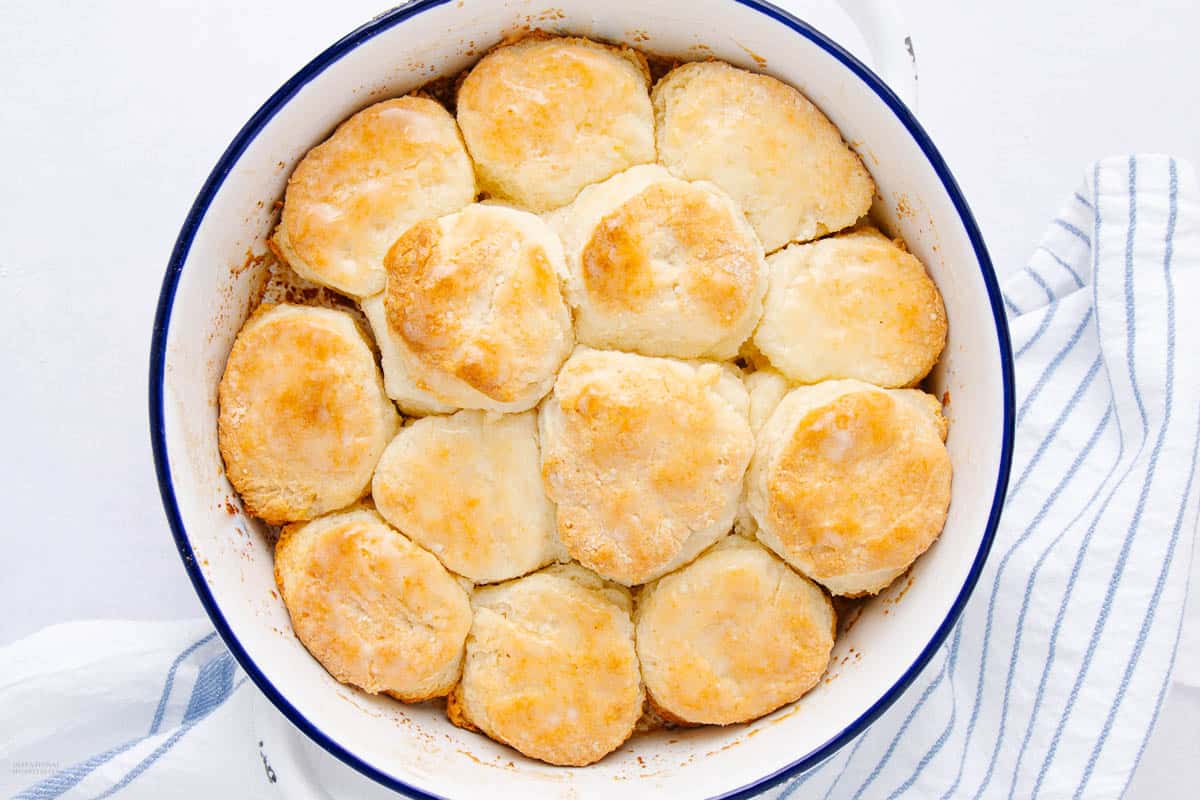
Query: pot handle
[{"x": 886, "y": 32}]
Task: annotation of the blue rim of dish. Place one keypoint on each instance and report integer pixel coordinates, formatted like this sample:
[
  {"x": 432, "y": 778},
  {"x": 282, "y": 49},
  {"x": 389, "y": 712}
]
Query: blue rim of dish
[{"x": 229, "y": 159}]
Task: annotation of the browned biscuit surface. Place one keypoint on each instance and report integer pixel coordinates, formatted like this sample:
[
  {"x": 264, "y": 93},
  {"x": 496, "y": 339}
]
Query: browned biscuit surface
[
  {"x": 303, "y": 416},
  {"x": 377, "y": 611}
]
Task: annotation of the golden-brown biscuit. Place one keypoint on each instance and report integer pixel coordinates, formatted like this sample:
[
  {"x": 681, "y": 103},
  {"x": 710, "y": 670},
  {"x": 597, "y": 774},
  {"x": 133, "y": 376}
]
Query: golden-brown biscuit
[
  {"x": 850, "y": 483},
  {"x": 475, "y": 302},
  {"x": 766, "y": 145},
  {"x": 377, "y": 611},
  {"x": 303, "y": 415},
  {"x": 397, "y": 381},
  {"x": 661, "y": 266},
  {"x": 383, "y": 169},
  {"x": 732, "y": 636},
  {"x": 468, "y": 488},
  {"x": 551, "y": 668},
  {"x": 544, "y": 117},
  {"x": 851, "y": 306},
  {"x": 645, "y": 458}
]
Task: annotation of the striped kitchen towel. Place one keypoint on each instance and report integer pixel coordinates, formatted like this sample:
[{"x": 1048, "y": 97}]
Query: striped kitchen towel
[
  {"x": 1049, "y": 685},
  {"x": 1052, "y": 681}
]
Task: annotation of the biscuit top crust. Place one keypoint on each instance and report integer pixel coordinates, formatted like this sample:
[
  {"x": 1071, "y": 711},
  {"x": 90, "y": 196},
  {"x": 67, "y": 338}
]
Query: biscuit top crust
[
  {"x": 477, "y": 299},
  {"x": 468, "y": 487},
  {"x": 766, "y": 145},
  {"x": 544, "y": 117},
  {"x": 851, "y": 480},
  {"x": 551, "y": 666},
  {"x": 383, "y": 169},
  {"x": 303, "y": 416},
  {"x": 661, "y": 266},
  {"x": 375, "y": 609},
  {"x": 733, "y": 635},
  {"x": 640, "y": 454},
  {"x": 856, "y": 305}
]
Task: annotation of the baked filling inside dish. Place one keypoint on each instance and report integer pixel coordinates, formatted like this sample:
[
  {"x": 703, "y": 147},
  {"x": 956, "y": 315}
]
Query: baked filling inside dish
[{"x": 618, "y": 392}]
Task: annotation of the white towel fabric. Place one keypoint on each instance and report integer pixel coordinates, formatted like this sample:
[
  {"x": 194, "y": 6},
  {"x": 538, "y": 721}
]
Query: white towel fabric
[{"x": 1050, "y": 684}]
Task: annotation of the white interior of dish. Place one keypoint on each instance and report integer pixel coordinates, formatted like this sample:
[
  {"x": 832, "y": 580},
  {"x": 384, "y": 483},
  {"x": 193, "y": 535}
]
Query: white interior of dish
[{"x": 416, "y": 744}]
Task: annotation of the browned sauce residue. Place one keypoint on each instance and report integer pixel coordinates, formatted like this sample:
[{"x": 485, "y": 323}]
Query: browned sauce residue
[
  {"x": 549, "y": 15},
  {"x": 848, "y": 611},
  {"x": 251, "y": 260},
  {"x": 659, "y": 64},
  {"x": 759, "y": 61},
  {"x": 900, "y": 595},
  {"x": 472, "y": 756},
  {"x": 442, "y": 90}
]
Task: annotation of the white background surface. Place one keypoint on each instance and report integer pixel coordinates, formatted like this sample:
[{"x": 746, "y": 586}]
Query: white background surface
[{"x": 112, "y": 115}]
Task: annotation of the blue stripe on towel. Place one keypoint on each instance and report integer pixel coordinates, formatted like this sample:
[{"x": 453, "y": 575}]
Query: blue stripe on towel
[
  {"x": 1130, "y": 310},
  {"x": 1159, "y": 585},
  {"x": 1162, "y": 690},
  {"x": 212, "y": 688},
  {"x": 166, "y": 692},
  {"x": 1118, "y": 570},
  {"x": 1071, "y": 229},
  {"x": 1074, "y": 275},
  {"x": 1148, "y": 617},
  {"x": 1057, "y": 629},
  {"x": 58, "y": 783},
  {"x": 1053, "y": 367},
  {"x": 1016, "y": 648},
  {"x": 887, "y": 755},
  {"x": 849, "y": 760},
  {"x": 1021, "y": 539},
  {"x": 1052, "y": 434},
  {"x": 940, "y": 742},
  {"x": 1047, "y": 318}
]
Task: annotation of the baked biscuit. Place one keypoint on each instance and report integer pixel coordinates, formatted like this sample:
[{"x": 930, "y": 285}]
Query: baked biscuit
[
  {"x": 732, "y": 636},
  {"x": 374, "y": 609},
  {"x": 852, "y": 306},
  {"x": 475, "y": 300},
  {"x": 551, "y": 668},
  {"x": 303, "y": 416},
  {"x": 348, "y": 199},
  {"x": 766, "y": 145},
  {"x": 397, "y": 381},
  {"x": 765, "y": 387},
  {"x": 661, "y": 266},
  {"x": 544, "y": 117},
  {"x": 850, "y": 483},
  {"x": 645, "y": 458},
  {"x": 468, "y": 488}
]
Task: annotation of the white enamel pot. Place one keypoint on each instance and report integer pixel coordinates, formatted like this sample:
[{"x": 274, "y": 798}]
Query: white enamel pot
[{"x": 205, "y": 296}]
